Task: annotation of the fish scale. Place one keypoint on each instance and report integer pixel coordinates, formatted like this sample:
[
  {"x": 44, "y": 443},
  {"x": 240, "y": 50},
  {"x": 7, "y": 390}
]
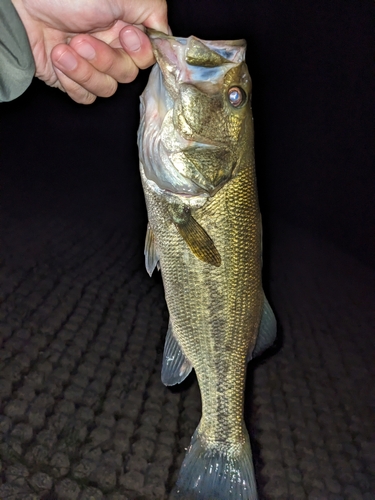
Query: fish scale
[
  {"x": 215, "y": 306},
  {"x": 231, "y": 294}
]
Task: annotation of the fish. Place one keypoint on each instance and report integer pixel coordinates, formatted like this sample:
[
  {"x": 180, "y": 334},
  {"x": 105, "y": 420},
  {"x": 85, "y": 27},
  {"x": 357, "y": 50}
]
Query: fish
[{"x": 204, "y": 234}]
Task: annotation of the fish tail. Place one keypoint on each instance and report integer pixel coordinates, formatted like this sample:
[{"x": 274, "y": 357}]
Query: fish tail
[{"x": 214, "y": 473}]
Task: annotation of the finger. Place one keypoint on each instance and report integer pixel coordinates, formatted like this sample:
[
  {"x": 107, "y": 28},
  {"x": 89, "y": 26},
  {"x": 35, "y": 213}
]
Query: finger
[
  {"x": 82, "y": 78},
  {"x": 73, "y": 89},
  {"x": 138, "y": 46},
  {"x": 113, "y": 61}
]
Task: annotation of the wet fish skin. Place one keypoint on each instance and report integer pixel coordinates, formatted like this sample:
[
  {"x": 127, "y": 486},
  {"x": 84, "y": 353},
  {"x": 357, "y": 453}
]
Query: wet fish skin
[{"x": 198, "y": 175}]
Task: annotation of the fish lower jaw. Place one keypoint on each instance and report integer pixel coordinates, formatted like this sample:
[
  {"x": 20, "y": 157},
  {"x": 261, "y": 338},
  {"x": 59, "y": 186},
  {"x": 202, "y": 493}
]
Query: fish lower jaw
[{"x": 192, "y": 201}]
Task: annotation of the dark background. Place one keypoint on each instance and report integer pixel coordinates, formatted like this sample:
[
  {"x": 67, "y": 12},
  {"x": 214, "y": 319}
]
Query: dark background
[
  {"x": 65, "y": 167},
  {"x": 313, "y": 100}
]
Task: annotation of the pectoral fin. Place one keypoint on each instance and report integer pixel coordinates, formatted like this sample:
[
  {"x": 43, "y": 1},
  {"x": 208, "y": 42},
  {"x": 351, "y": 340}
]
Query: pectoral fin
[
  {"x": 267, "y": 331},
  {"x": 151, "y": 256},
  {"x": 176, "y": 367},
  {"x": 195, "y": 236}
]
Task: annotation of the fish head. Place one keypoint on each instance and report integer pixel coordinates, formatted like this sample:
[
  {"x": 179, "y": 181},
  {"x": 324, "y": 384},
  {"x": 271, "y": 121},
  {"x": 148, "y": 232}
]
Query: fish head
[{"x": 195, "y": 114}]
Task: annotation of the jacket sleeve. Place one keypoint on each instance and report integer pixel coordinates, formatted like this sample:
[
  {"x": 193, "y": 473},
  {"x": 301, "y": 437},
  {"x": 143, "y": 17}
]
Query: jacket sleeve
[{"x": 17, "y": 66}]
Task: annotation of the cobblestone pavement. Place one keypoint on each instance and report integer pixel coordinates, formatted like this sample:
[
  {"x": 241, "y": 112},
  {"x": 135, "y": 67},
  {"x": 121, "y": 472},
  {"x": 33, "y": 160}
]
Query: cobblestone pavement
[{"x": 83, "y": 413}]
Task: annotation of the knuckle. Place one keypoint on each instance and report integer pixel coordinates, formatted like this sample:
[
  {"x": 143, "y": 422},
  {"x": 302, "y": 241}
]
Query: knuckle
[
  {"x": 109, "y": 88},
  {"x": 81, "y": 95},
  {"x": 75, "y": 90},
  {"x": 122, "y": 68},
  {"x": 85, "y": 76},
  {"x": 129, "y": 75},
  {"x": 87, "y": 98}
]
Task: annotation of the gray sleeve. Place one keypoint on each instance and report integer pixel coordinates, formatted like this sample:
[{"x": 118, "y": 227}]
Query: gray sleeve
[{"x": 17, "y": 66}]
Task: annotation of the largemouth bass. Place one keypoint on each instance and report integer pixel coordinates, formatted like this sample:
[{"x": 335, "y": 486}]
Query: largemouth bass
[{"x": 197, "y": 167}]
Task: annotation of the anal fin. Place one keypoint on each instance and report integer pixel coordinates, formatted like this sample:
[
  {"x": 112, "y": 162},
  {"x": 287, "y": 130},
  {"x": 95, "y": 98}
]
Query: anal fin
[
  {"x": 176, "y": 367},
  {"x": 267, "y": 331}
]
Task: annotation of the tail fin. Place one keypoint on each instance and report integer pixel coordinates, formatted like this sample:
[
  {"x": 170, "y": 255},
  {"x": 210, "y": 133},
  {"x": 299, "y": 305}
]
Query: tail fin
[{"x": 215, "y": 474}]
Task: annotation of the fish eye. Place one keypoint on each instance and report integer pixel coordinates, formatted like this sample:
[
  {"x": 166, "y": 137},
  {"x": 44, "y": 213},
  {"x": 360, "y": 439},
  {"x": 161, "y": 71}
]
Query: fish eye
[{"x": 236, "y": 96}]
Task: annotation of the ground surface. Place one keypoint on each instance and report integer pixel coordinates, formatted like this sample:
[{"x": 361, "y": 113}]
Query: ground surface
[{"x": 83, "y": 413}]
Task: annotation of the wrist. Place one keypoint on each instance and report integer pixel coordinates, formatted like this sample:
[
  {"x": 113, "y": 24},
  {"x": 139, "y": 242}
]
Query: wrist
[
  {"x": 21, "y": 13},
  {"x": 16, "y": 59}
]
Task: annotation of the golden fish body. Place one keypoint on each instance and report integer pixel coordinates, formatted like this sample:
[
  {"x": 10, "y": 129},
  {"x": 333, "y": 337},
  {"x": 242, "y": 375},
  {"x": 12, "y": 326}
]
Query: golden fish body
[{"x": 205, "y": 234}]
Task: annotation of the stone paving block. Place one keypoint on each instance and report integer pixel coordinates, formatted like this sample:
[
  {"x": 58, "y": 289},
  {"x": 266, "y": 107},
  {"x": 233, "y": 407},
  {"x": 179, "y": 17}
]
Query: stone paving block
[
  {"x": 85, "y": 415},
  {"x": 17, "y": 474},
  {"x": 41, "y": 482},
  {"x": 118, "y": 496},
  {"x": 144, "y": 448},
  {"x": 67, "y": 490},
  {"x": 100, "y": 435},
  {"x": 105, "y": 477},
  {"x": 37, "y": 455},
  {"x": 22, "y": 432},
  {"x": 9, "y": 491},
  {"x": 91, "y": 493},
  {"x": 60, "y": 464},
  {"x": 84, "y": 468},
  {"x": 26, "y": 392},
  {"x": 87, "y": 369},
  {"x": 113, "y": 459},
  {"x": 132, "y": 480},
  {"x": 5, "y": 388},
  {"x": 137, "y": 463},
  {"x": 36, "y": 418},
  {"x": 16, "y": 409}
]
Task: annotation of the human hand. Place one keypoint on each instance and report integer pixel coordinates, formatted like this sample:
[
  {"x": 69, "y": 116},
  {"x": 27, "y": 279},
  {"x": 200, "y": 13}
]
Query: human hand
[{"x": 86, "y": 48}]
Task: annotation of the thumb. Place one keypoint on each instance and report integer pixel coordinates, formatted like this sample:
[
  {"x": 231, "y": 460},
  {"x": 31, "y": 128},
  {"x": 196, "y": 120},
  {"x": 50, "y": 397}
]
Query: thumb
[{"x": 158, "y": 20}]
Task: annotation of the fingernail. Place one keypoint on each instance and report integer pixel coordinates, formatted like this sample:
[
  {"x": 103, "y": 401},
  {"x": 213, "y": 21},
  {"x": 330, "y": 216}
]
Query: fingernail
[
  {"x": 131, "y": 40},
  {"x": 85, "y": 50},
  {"x": 67, "y": 61}
]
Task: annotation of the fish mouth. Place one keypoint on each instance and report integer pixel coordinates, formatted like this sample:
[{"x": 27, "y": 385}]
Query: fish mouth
[
  {"x": 229, "y": 50},
  {"x": 201, "y": 63}
]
